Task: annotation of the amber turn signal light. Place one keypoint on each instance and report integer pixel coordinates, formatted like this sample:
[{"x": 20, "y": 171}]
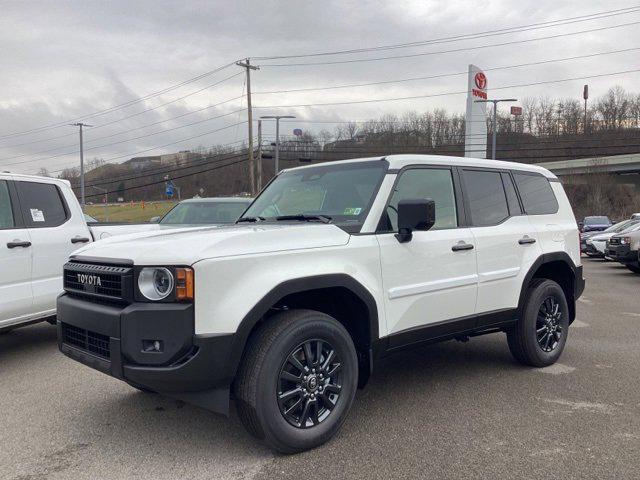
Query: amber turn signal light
[{"x": 184, "y": 284}]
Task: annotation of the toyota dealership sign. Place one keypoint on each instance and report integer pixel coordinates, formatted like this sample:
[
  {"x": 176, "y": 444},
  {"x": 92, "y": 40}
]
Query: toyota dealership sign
[{"x": 475, "y": 140}]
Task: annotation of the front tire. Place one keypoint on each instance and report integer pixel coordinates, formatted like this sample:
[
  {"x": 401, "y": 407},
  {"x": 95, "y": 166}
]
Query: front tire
[
  {"x": 297, "y": 380},
  {"x": 540, "y": 335}
]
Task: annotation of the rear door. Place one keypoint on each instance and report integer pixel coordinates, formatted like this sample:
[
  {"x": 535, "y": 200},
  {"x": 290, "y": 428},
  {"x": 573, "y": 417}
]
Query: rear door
[
  {"x": 55, "y": 232},
  {"x": 505, "y": 239},
  {"x": 16, "y": 302}
]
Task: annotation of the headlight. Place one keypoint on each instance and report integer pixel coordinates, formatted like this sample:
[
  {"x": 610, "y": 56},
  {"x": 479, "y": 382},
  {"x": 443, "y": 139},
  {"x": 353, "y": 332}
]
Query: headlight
[
  {"x": 625, "y": 240},
  {"x": 155, "y": 283}
]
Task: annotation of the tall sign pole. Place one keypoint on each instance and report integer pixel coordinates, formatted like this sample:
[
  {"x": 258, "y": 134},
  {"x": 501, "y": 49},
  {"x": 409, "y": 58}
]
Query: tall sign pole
[
  {"x": 247, "y": 65},
  {"x": 475, "y": 136},
  {"x": 585, "y": 96}
]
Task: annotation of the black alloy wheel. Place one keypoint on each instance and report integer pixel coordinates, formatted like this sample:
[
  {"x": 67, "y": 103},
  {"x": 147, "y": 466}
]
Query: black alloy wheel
[
  {"x": 538, "y": 337},
  {"x": 309, "y": 384},
  {"x": 548, "y": 324}
]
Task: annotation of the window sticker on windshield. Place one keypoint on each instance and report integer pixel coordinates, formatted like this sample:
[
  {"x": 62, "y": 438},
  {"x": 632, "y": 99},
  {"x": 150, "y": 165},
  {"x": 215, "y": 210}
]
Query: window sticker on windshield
[
  {"x": 352, "y": 211},
  {"x": 37, "y": 215}
]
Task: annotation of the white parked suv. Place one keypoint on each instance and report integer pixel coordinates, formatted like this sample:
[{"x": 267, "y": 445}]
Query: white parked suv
[
  {"x": 41, "y": 224},
  {"x": 332, "y": 267}
]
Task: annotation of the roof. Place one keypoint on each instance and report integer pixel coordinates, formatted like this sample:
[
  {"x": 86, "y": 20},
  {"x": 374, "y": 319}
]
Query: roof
[
  {"x": 22, "y": 176},
  {"x": 246, "y": 200},
  {"x": 399, "y": 161}
]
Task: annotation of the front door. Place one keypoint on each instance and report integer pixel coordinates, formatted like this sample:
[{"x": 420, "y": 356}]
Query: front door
[
  {"x": 15, "y": 257},
  {"x": 430, "y": 282}
]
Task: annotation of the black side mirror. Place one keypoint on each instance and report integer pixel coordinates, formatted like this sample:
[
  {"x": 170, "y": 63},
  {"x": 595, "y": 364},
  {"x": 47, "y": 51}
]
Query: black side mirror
[{"x": 414, "y": 214}]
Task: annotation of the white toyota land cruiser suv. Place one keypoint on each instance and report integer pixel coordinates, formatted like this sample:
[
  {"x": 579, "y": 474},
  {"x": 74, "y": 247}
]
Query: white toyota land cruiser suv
[{"x": 332, "y": 267}]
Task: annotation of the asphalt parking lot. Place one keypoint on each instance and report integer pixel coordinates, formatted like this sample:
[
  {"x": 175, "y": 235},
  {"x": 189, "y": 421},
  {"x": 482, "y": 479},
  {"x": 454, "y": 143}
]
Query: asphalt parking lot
[{"x": 453, "y": 410}]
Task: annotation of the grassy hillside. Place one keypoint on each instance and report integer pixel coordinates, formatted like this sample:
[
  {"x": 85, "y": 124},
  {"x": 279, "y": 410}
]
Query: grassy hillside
[{"x": 127, "y": 212}]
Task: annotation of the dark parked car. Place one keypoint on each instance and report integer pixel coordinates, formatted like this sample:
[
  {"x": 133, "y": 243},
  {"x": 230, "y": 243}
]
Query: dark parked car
[
  {"x": 595, "y": 224},
  {"x": 625, "y": 248}
]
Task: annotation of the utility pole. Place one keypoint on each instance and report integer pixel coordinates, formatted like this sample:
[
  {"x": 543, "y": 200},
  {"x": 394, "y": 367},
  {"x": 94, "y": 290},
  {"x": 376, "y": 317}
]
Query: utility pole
[
  {"x": 277, "y": 119},
  {"x": 494, "y": 122},
  {"x": 259, "y": 155},
  {"x": 81, "y": 125},
  {"x": 247, "y": 65}
]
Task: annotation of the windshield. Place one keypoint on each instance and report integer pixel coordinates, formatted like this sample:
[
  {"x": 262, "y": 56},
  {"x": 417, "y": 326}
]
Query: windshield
[
  {"x": 204, "y": 213},
  {"x": 620, "y": 226},
  {"x": 341, "y": 192},
  {"x": 631, "y": 227},
  {"x": 596, "y": 221}
]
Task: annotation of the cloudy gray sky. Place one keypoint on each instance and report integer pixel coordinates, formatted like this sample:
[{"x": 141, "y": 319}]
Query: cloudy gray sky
[{"x": 62, "y": 60}]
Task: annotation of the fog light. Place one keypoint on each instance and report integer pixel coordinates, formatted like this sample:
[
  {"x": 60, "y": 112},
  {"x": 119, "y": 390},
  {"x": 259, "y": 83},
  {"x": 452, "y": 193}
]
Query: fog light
[{"x": 152, "y": 346}]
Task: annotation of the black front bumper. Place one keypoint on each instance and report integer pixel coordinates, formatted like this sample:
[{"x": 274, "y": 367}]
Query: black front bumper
[
  {"x": 622, "y": 253},
  {"x": 114, "y": 339}
]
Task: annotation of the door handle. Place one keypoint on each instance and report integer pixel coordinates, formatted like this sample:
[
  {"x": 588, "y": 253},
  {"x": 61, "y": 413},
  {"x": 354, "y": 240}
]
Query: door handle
[
  {"x": 526, "y": 240},
  {"x": 18, "y": 243},
  {"x": 79, "y": 240},
  {"x": 462, "y": 246}
]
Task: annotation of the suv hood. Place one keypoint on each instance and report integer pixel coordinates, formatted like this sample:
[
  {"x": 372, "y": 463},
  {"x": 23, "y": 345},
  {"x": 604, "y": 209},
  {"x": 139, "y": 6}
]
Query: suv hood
[
  {"x": 185, "y": 246},
  {"x": 600, "y": 237}
]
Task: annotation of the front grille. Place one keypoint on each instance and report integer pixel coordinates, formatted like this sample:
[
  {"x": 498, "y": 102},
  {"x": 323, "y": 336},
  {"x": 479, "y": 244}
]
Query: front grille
[
  {"x": 614, "y": 241},
  {"x": 96, "y": 280},
  {"x": 93, "y": 342}
]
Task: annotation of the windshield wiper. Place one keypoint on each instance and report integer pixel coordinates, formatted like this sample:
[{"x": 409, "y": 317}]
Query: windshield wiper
[
  {"x": 305, "y": 218},
  {"x": 250, "y": 219}
]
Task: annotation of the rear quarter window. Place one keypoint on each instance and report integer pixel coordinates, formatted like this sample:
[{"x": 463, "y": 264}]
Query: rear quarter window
[
  {"x": 41, "y": 204},
  {"x": 536, "y": 194}
]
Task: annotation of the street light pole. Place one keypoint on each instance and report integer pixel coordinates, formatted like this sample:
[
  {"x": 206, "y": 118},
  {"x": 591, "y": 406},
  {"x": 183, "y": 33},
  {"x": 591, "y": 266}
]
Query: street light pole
[
  {"x": 277, "y": 119},
  {"x": 494, "y": 120}
]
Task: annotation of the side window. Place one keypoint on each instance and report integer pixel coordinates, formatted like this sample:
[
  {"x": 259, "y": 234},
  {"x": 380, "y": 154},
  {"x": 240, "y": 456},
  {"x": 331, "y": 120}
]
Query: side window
[
  {"x": 512, "y": 197},
  {"x": 41, "y": 204},
  {"x": 436, "y": 184},
  {"x": 536, "y": 193},
  {"x": 486, "y": 195},
  {"x": 6, "y": 214}
]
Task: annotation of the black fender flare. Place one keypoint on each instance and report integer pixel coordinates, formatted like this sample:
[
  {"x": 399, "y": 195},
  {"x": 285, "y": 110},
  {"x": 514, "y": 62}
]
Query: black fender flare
[
  {"x": 577, "y": 286},
  {"x": 300, "y": 285}
]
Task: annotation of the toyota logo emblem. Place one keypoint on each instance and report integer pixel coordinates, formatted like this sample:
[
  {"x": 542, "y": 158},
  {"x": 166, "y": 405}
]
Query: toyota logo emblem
[{"x": 481, "y": 80}]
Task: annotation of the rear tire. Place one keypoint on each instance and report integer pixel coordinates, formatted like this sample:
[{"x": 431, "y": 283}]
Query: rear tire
[
  {"x": 540, "y": 335},
  {"x": 297, "y": 380}
]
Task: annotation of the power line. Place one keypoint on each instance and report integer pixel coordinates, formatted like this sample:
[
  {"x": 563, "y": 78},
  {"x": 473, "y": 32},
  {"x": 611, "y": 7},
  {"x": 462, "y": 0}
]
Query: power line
[
  {"x": 456, "y": 38},
  {"x": 461, "y": 49},
  {"x": 434, "y": 151},
  {"x": 123, "y": 141},
  {"x": 110, "y": 160},
  {"x": 242, "y": 159},
  {"x": 443, "y": 75},
  {"x": 152, "y": 108},
  {"x": 414, "y": 97},
  {"x": 165, "y": 169},
  {"x": 117, "y": 107}
]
